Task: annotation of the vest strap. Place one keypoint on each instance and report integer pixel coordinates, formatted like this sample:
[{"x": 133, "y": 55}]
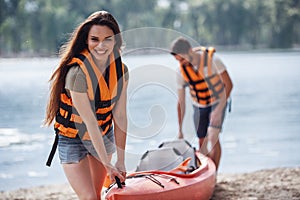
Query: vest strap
[{"x": 53, "y": 150}]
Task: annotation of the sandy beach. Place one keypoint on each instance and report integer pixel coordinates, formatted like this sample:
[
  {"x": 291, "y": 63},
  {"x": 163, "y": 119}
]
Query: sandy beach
[{"x": 279, "y": 183}]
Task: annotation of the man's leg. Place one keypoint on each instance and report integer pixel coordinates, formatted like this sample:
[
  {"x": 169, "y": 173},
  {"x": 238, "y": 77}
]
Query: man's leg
[
  {"x": 214, "y": 150},
  {"x": 201, "y": 122},
  {"x": 203, "y": 145}
]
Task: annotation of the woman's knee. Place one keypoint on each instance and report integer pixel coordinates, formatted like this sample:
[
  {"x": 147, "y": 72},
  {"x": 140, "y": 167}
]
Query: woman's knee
[{"x": 89, "y": 196}]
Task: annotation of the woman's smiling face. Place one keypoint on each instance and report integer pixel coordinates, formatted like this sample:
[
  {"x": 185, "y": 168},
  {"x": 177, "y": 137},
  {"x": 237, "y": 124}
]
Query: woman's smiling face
[{"x": 101, "y": 42}]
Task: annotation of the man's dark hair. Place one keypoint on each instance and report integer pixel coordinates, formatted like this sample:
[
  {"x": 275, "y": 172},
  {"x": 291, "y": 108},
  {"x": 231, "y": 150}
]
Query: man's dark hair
[{"x": 180, "y": 46}]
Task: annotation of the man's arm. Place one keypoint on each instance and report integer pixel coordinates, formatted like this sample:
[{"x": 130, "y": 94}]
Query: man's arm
[
  {"x": 216, "y": 115},
  {"x": 181, "y": 110},
  {"x": 227, "y": 83}
]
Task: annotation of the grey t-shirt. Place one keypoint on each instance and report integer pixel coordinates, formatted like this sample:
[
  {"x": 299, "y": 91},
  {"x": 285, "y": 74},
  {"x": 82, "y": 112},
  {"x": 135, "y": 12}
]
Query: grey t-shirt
[{"x": 76, "y": 80}]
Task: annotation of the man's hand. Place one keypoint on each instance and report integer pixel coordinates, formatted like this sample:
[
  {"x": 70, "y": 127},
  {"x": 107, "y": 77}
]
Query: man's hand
[{"x": 180, "y": 135}]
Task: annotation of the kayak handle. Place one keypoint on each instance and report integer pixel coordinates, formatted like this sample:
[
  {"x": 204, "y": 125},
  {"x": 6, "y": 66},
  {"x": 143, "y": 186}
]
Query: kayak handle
[{"x": 118, "y": 182}]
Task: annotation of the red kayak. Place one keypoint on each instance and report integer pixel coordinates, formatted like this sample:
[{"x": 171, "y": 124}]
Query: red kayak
[{"x": 181, "y": 182}]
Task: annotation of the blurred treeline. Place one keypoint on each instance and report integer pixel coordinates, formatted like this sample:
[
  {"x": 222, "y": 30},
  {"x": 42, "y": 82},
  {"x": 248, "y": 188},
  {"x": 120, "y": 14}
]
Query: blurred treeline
[{"x": 40, "y": 27}]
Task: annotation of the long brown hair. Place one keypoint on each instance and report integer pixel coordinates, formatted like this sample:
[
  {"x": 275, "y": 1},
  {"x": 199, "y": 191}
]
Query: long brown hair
[{"x": 75, "y": 45}]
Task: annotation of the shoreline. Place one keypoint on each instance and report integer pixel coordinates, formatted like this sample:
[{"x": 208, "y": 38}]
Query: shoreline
[
  {"x": 277, "y": 183},
  {"x": 221, "y": 49}
]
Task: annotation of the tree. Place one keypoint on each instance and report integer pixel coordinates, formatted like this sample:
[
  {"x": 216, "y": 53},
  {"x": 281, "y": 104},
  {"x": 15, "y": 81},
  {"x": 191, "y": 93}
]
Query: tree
[
  {"x": 285, "y": 18},
  {"x": 42, "y": 26}
]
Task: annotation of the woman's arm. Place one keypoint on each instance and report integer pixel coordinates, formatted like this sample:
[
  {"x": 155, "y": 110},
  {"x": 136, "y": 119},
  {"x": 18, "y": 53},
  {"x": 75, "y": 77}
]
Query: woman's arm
[
  {"x": 120, "y": 127},
  {"x": 82, "y": 104}
]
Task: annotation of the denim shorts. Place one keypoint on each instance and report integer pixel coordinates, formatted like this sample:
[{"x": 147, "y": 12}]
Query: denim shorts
[{"x": 72, "y": 150}]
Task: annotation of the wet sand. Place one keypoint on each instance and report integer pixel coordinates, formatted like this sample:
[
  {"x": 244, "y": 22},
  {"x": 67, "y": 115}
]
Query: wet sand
[{"x": 279, "y": 183}]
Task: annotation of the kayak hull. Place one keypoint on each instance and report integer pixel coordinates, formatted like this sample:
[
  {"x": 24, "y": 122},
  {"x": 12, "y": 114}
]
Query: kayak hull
[{"x": 152, "y": 185}]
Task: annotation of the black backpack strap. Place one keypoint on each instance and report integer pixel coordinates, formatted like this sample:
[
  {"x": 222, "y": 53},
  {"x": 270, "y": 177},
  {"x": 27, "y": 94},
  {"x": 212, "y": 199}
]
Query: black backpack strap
[{"x": 53, "y": 150}]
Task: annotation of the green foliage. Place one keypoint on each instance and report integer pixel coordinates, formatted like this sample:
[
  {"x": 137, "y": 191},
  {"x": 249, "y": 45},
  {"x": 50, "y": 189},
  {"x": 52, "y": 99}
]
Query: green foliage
[{"x": 40, "y": 27}]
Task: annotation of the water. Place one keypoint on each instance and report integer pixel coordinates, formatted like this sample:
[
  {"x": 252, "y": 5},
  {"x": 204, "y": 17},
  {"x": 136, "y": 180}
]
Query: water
[{"x": 262, "y": 131}]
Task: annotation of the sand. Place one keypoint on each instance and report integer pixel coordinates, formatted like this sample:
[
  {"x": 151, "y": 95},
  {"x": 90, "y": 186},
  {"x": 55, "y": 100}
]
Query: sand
[{"x": 279, "y": 183}]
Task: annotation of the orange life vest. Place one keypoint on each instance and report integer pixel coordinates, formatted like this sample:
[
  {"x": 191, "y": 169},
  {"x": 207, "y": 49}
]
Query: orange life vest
[
  {"x": 204, "y": 89},
  {"x": 103, "y": 92}
]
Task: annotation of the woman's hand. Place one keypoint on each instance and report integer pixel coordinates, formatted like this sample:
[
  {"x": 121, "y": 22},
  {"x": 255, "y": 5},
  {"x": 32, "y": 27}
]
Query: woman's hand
[
  {"x": 120, "y": 165},
  {"x": 112, "y": 172}
]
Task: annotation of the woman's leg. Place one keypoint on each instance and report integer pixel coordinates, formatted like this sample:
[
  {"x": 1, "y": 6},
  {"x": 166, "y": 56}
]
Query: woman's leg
[
  {"x": 98, "y": 173},
  {"x": 80, "y": 179}
]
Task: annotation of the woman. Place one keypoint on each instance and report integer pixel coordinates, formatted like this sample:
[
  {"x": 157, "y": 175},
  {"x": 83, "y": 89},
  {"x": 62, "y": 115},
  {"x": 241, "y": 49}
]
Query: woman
[{"x": 88, "y": 104}]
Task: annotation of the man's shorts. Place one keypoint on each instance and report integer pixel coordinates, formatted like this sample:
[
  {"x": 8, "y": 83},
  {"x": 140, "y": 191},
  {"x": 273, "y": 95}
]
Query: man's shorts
[
  {"x": 72, "y": 150},
  {"x": 202, "y": 119}
]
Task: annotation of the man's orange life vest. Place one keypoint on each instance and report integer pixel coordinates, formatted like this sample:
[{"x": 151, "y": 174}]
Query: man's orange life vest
[
  {"x": 204, "y": 89},
  {"x": 103, "y": 93}
]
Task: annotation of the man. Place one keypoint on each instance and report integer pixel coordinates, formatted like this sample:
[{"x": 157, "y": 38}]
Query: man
[{"x": 210, "y": 86}]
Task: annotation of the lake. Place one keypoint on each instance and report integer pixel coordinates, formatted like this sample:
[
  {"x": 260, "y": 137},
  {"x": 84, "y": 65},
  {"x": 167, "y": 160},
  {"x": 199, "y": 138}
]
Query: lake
[{"x": 261, "y": 131}]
